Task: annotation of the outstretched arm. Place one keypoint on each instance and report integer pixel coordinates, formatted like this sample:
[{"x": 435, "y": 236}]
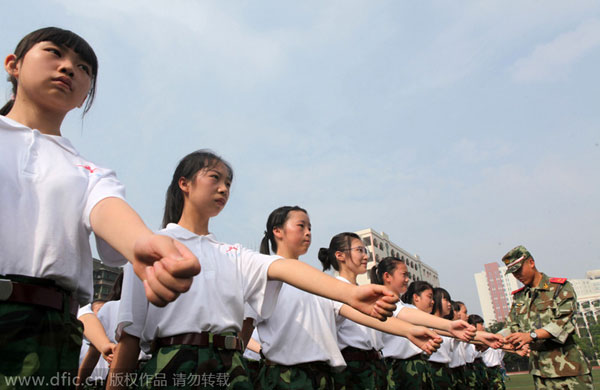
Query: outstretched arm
[
  {"x": 125, "y": 361},
  {"x": 165, "y": 265},
  {"x": 457, "y": 329},
  {"x": 95, "y": 332},
  {"x": 372, "y": 299},
  {"x": 423, "y": 338}
]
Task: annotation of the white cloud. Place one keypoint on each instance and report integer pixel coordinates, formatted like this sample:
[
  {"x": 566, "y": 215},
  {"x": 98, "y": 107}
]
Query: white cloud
[{"x": 550, "y": 60}]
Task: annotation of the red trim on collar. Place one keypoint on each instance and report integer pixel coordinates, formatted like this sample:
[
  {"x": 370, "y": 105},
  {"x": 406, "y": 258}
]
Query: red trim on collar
[
  {"x": 558, "y": 280},
  {"x": 516, "y": 291}
]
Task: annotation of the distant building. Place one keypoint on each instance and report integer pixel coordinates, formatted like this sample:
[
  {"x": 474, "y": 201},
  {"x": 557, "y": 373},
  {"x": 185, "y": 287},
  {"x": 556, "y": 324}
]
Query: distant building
[
  {"x": 104, "y": 279},
  {"x": 588, "y": 304},
  {"x": 495, "y": 292},
  {"x": 380, "y": 246}
]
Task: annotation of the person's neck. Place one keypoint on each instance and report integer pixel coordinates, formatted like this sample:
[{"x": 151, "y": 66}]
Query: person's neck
[
  {"x": 286, "y": 252},
  {"x": 348, "y": 275},
  {"x": 194, "y": 223},
  {"x": 536, "y": 279},
  {"x": 36, "y": 118}
]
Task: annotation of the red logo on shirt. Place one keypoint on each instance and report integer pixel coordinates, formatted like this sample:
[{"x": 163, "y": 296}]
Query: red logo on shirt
[
  {"x": 92, "y": 170},
  {"x": 231, "y": 248}
]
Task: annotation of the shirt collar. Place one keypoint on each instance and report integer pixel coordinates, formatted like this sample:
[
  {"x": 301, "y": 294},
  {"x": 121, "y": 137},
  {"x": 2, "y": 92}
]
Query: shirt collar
[
  {"x": 57, "y": 139},
  {"x": 182, "y": 233},
  {"x": 544, "y": 283}
]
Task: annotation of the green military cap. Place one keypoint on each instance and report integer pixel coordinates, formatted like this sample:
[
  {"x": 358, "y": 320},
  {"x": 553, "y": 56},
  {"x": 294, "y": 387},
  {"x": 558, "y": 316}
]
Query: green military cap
[{"x": 514, "y": 259}]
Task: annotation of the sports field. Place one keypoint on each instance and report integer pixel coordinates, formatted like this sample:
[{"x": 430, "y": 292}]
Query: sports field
[{"x": 525, "y": 382}]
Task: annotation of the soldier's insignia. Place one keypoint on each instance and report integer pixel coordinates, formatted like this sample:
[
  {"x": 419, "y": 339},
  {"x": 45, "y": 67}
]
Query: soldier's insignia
[{"x": 545, "y": 285}]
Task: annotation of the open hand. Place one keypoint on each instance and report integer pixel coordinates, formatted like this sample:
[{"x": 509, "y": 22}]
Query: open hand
[{"x": 490, "y": 339}]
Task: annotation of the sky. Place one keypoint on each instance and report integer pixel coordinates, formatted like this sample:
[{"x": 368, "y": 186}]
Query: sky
[{"x": 460, "y": 129}]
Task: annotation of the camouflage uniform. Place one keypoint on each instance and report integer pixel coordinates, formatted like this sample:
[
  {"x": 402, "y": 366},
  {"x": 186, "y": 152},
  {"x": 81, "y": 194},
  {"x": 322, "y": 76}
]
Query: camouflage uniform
[
  {"x": 550, "y": 306},
  {"x": 482, "y": 381},
  {"x": 495, "y": 379},
  {"x": 38, "y": 342},
  {"x": 193, "y": 367},
  {"x": 361, "y": 375},
  {"x": 305, "y": 376},
  {"x": 441, "y": 375},
  {"x": 470, "y": 376},
  {"x": 408, "y": 374}
]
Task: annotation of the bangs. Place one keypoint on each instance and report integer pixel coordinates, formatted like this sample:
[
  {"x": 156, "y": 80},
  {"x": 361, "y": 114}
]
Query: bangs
[{"x": 60, "y": 37}]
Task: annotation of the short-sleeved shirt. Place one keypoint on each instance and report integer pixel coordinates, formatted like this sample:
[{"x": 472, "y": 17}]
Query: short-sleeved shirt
[
  {"x": 301, "y": 329},
  {"x": 492, "y": 357},
  {"x": 399, "y": 347},
  {"x": 457, "y": 357},
  {"x": 230, "y": 275},
  {"x": 444, "y": 353},
  {"x": 351, "y": 334},
  {"x": 48, "y": 191},
  {"x": 549, "y": 306}
]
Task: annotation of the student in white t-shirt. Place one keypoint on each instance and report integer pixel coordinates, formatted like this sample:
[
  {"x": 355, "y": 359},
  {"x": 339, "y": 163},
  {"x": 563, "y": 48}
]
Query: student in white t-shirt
[
  {"x": 196, "y": 336},
  {"x": 51, "y": 199},
  {"x": 299, "y": 340}
]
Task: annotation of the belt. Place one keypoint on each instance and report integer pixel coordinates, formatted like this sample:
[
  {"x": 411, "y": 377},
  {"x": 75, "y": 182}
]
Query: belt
[
  {"x": 437, "y": 364},
  {"x": 32, "y": 294},
  {"x": 317, "y": 364},
  {"x": 355, "y": 354},
  {"x": 203, "y": 339}
]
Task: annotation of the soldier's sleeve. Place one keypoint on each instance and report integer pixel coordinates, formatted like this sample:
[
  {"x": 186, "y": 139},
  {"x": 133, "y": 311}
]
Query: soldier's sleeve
[{"x": 560, "y": 321}]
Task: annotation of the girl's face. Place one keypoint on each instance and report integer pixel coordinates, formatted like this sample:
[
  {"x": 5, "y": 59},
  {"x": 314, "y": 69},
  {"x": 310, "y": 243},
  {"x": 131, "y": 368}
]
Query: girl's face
[
  {"x": 355, "y": 258},
  {"x": 207, "y": 193},
  {"x": 398, "y": 279},
  {"x": 446, "y": 306},
  {"x": 424, "y": 301},
  {"x": 462, "y": 313},
  {"x": 51, "y": 77},
  {"x": 295, "y": 235}
]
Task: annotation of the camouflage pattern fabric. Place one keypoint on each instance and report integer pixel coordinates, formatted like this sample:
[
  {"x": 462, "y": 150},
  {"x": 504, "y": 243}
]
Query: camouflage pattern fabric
[
  {"x": 583, "y": 382},
  {"x": 549, "y": 306},
  {"x": 470, "y": 377},
  {"x": 441, "y": 375},
  {"x": 408, "y": 374},
  {"x": 495, "y": 378},
  {"x": 193, "y": 367},
  {"x": 305, "y": 376},
  {"x": 482, "y": 381},
  {"x": 361, "y": 375},
  {"x": 459, "y": 379},
  {"x": 39, "y": 346},
  {"x": 253, "y": 368}
]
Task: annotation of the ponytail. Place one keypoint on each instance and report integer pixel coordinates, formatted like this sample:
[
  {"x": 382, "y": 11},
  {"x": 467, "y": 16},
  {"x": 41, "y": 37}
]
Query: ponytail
[
  {"x": 415, "y": 288},
  {"x": 276, "y": 219},
  {"x": 340, "y": 242},
  {"x": 387, "y": 264},
  {"x": 7, "y": 107}
]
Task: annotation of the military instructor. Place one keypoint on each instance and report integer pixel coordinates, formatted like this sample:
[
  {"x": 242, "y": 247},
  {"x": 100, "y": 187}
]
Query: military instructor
[{"x": 541, "y": 321}]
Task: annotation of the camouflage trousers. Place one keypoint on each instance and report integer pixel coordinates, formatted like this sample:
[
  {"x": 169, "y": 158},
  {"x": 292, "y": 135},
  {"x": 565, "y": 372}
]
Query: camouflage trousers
[
  {"x": 583, "y": 382},
  {"x": 193, "y": 367},
  {"x": 361, "y": 375},
  {"x": 39, "y": 346},
  {"x": 482, "y": 381},
  {"x": 441, "y": 375},
  {"x": 459, "y": 378},
  {"x": 470, "y": 376},
  {"x": 305, "y": 376},
  {"x": 495, "y": 379},
  {"x": 253, "y": 368},
  {"x": 408, "y": 374}
]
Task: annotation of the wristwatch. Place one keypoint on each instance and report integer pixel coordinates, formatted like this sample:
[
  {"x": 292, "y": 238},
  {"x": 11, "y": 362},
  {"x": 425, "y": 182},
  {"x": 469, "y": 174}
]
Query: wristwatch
[{"x": 533, "y": 335}]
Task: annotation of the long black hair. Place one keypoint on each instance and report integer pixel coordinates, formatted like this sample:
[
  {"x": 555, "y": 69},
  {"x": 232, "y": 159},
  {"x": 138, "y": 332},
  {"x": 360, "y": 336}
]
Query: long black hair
[
  {"x": 387, "y": 264},
  {"x": 188, "y": 168},
  {"x": 59, "y": 37},
  {"x": 276, "y": 219},
  {"x": 340, "y": 242},
  {"x": 438, "y": 294},
  {"x": 417, "y": 288}
]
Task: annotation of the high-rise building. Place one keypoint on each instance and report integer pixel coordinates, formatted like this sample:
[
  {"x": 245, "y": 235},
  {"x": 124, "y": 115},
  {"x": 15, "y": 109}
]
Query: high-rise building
[
  {"x": 104, "y": 279},
  {"x": 495, "y": 292},
  {"x": 380, "y": 246},
  {"x": 588, "y": 304}
]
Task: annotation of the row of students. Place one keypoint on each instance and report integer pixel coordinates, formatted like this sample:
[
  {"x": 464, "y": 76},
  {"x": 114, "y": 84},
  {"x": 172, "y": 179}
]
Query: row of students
[{"x": 53, "y": 199}]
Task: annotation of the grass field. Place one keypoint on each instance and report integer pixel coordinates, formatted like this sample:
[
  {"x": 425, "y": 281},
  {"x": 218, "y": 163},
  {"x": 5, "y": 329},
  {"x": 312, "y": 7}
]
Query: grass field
[{"x": 525, "y": 382}]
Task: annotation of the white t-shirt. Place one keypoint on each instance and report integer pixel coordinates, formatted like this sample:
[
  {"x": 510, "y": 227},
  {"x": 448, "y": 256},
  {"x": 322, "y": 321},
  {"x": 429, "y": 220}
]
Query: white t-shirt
[
  {"x": 301, "y": 329},
  {"x": 457, "y": 357},
  {"x": 351, "y": 334},
  {"x": 470, "y": 352},
  {"x": 230, "y": 275},
  {"x": 399, "y": 347},
  {"x": 492, "y": 357},
  {"x": 442, "y": 355},
  {"x": 48, "y": 191}
]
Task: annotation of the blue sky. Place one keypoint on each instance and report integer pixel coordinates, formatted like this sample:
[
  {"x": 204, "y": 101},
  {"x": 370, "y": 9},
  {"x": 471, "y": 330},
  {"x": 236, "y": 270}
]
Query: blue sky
[{"x": 461, "y": 129}]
